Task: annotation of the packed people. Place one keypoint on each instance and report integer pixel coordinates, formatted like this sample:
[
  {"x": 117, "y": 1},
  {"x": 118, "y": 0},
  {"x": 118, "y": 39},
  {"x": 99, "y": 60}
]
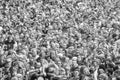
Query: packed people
[{"x": 59, "y": 40}]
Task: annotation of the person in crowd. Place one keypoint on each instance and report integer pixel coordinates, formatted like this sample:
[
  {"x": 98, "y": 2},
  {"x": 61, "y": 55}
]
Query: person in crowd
[{"x": 59, "y": 40}]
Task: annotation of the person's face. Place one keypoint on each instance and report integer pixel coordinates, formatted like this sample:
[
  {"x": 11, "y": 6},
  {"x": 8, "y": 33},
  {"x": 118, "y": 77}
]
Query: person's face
[
  {"x": 95, "y": 63},
  {"x": 64, "y": 43},
  {"x": 67, "y": 59},
  {"x": 85, "y": 51},
  {"x": 38, "y": 66},
  {"x": 21, "y": 71},
  {"x": 53, "y": 54},
  {"x": 19, "y": 77},
  {"x": 72, "y": 40},
  {"x": 107, "y": 61},
  {"x": 55, "y": 45},
  {"x": 48, "y": 58},
  {"x": 71, "y": 49},
  {"x": 59, "y": 64},
  {"x": 34, "y": 54},
  {"x": 79, "y": 58},
  {"x": 76, "y": 73},
  {"x": 74, "y": 62},
  {"x": 14, "y": 73}
]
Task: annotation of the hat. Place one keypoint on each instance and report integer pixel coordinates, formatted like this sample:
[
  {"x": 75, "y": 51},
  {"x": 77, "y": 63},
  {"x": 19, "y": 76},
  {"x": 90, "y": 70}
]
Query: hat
[
  {"x": 60, "y": 55},
  {"x": 74, "y": 58},
  {"x": 9, "y": 60},
  {"x": 40, "y": 78},
  {"x": 19, "y": 75}
]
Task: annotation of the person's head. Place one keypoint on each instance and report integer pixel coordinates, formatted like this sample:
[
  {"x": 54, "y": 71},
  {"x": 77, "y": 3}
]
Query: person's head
[
  {"x": 51, "y": 69},
  {"x": 95, "y": 63},
  {"x": 32, "y": 67},
  {"x": 101, "y": 71},
  {"x": 19, "y": 76},
  {"x": 34, "y": 52},
  {"x": 59, "y": 63},
  {"x": 66, "y": 59},
  {"x": 63, "y": 72},
  {"x": 71, "y": 48},
  {"x": 39, "y": 59},
  {"x": 14, "y": 73},
  {"x": 29, "y": 54},
  {"x": 53, "y": 55},
  {"x": 107, "y": 61},
  {"x": 54, "y": 45},
  {"x": 103, "y": 77},
  {"x": 74, "y": 60},
  {"x": 37, "y": 65},
  {"x": 92, "y": 69},
  {"x": 40, "y": 78},
  {"x": 8, "y": 63},
  {"x": 48, "y": 58},
  {"x": 10, "y": 38},
  {"x": 114, "y": 78},
  {"x": 67, "y": 68},
  {"x": 86, "y": 71},
  {"x": 76, "y": 73},
  {"x": 79, "y": 58}
]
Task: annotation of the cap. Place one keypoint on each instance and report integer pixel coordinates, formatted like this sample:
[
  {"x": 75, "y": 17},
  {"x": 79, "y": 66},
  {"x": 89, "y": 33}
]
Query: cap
[
  {"x": 74, "y": 58},
  {"x": 40, "y": 78},
  {"x": 19, "y": 75},
  {"x": 9, "y": 60}
]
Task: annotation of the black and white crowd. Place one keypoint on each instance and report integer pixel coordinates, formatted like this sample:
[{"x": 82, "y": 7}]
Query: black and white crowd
[{"x": 59, "y": 40}]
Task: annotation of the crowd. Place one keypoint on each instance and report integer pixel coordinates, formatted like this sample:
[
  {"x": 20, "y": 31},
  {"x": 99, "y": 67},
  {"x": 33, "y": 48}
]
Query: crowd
[{"x": 59, "y": 40}]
